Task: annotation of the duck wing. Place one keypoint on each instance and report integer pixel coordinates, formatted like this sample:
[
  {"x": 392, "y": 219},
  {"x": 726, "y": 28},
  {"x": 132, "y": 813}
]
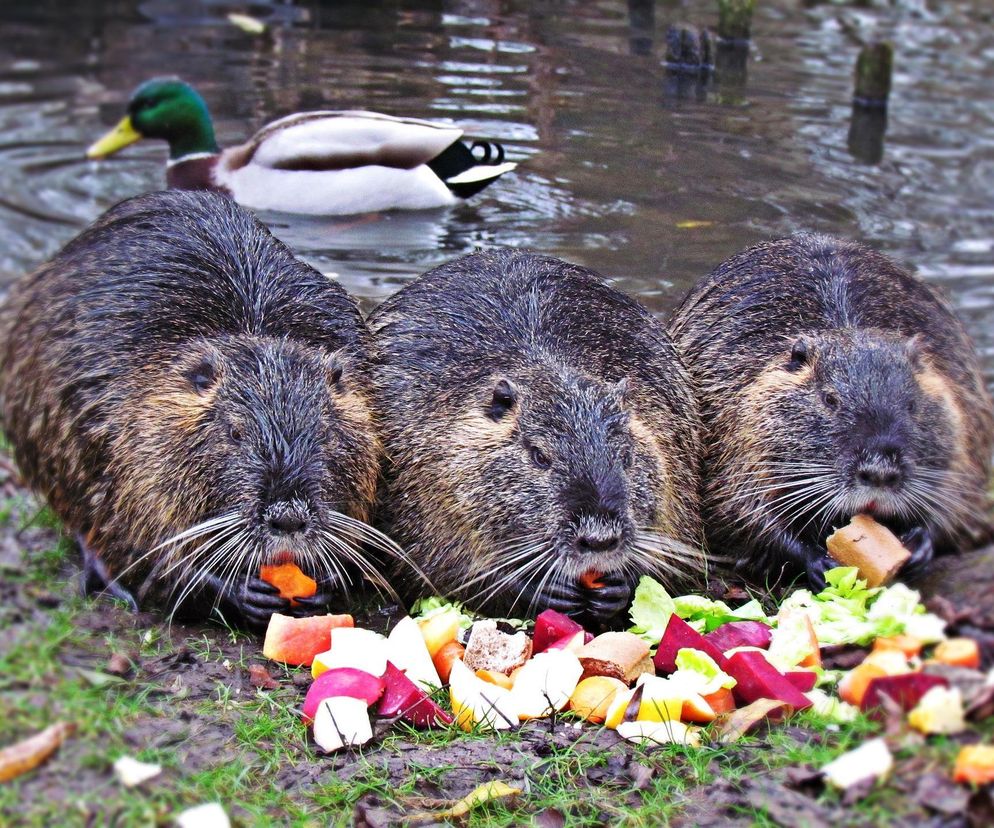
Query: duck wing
[{"x": 339, "y": 140}]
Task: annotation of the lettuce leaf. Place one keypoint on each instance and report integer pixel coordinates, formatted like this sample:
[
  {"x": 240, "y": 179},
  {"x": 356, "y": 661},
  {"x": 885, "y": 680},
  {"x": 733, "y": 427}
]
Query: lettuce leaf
[{"x": 651, "y": 609}]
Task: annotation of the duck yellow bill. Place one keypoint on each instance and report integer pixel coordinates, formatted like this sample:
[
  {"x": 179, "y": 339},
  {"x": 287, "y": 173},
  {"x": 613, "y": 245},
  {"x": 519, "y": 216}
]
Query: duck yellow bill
[{"x": 117, "y": 139}]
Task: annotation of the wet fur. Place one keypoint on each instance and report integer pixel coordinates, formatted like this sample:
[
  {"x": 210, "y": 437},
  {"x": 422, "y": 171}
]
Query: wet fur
[
  {"x": 883, "y": 340},
  {"x": 98, "y": 349},
  {"x": 460, "y": 493}
]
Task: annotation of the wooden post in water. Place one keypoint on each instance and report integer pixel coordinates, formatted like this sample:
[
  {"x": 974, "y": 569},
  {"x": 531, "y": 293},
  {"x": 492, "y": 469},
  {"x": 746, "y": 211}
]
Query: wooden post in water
[
  {"x": 874, "y": 67},
  {"x": 868, "y": 125},
  {"x": 735, "y": 19}
]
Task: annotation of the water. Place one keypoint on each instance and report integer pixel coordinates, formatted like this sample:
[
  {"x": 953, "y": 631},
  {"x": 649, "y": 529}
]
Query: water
[{"x": 650, "y": 181}]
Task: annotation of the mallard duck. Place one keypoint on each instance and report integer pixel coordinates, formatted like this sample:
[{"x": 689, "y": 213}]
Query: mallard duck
[{"x": 319, "y": 163}]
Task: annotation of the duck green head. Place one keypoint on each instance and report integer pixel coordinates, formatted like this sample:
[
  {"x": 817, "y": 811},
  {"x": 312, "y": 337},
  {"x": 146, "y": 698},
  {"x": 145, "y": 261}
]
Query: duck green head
[{"x": 165, "y": 108}]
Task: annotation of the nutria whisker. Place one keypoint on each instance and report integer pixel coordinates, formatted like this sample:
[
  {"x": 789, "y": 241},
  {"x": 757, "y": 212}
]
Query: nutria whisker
[
  {"x": 376, "y": 539},
  {"x": 198, "y": 551},
  {"x": 192, "y": 577},
  {"x": 533, "y": 565},
  {"x": 522, "y": 554},
  {"x": 353, "y": 554},
  {"x": 199, "y": 529}
]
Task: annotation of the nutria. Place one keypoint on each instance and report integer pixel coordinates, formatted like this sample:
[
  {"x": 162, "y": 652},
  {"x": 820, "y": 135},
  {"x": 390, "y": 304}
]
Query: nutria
[
  {"x": 192, "y": 401},
  {"x": 832, "y": 382},
  {"x": 539, "y": 426}
]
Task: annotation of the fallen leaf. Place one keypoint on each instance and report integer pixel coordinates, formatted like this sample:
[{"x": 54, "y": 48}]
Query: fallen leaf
[
  {"x": 487, "y": 792},
  {"x": 97, "y": 679},
  {"x": 733, "y": 726},
  {"x": 118, "y": 665},
  {"x": 939, "y": 793},
  {"x": 259, "y": 677},
  {"x": 131, "y": 773},
  {"x": 692, "y": 224},
  {"x": 980, "y": 808},
  {"x": 549, "y": 818},
  {"x": 24, "y": 756}
]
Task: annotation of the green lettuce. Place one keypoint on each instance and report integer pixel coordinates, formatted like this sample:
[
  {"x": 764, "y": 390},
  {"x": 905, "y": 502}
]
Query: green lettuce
[{"x": 651, "y": 609}]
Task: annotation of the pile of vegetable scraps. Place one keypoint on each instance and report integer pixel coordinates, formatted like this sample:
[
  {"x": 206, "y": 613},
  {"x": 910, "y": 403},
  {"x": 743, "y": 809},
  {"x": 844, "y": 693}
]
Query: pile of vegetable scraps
[{"x": 690, "y": 670}]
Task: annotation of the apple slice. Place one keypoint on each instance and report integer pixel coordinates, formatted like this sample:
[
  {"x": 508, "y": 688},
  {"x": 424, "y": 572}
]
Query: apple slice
[
  {"x": 402, "y": 697},
  {"x": 552, "y": 626},
  {"x": 734, "y": 634},
  {"x": 974, "y": 765},
  {"x": 298, "y": 640},
  {"x": 341, "y": 681},
  {"x": 720, "y": 701},
  {"x": 545, "y": 683},
  {"x": 572, "y": 643},
  {"x": 940, "y": 711},
  {"x": 341, "y": 721},
  {"x": 758, "y": 679},
  {"x": 353, "y": 647},
  {"x": 854, "y": 684},
  {"x": 439, "y": 630},
  {"x": 593, "y": 696},
  {"x": 443, "y": 659},
  {"x": 958, "y": 652},
  {"x": 872, "y": 760},
  {"x": 794, "y": 643},
  {"x": 407, "y": 650},
  {"x": 479, "y": 703},
  {"x": 677, "y": 636}
]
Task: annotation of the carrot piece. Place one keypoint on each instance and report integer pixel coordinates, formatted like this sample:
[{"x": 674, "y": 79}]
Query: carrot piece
[
  {"x": 443, "y": 658},
  {"x": 909, "y": 645},
  {"x": 721, "y": 701},
  {"x": 289, "y": 580},
  {"x": 591, "y": 579},
  {"x": 975, "y": 764},
  {"x": 958, "y": 652},
  {"x": 26, "y": 755},
  {"x": 853, "y": 686},
  {"x": 493, "y": 677}
]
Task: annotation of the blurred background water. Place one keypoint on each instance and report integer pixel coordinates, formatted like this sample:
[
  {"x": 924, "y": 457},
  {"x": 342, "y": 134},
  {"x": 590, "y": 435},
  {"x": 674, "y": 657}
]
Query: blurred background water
[{"x": 650, "y": 180}]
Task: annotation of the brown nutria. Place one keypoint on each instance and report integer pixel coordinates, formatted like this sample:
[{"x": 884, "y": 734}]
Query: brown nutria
[
  {"x": 831, "y": 382},
  {"x": 538, "y": 425},
  {"x": 193, "y": 402}
]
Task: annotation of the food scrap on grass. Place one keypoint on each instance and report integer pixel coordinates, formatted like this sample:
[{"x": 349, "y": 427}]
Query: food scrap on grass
[{"x": 691, "y": 670}]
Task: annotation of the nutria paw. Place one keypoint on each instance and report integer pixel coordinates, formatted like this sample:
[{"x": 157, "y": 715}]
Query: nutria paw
[
  {"x": 252, "y": 600},
  {"x": 562, "y": 596},
  {"x": 321, "y": 602},
  {"x": 605, "y": 602},
  {"x": 97, "y": 580},
  {"x": 817, "y": 565},
  {"x": 920, "y": 544}
]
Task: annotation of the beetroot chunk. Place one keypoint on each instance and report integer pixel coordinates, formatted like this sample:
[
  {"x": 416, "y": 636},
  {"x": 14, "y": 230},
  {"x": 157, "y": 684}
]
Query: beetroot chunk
[
  {"x": 402, "y": 697},
  {"x": 803, "y": 680},
  {"x": 741, "y": 634},
  {"x": 907, "y": 689},
  {"x": 551, "y": 626},
  {"x": 758, "y": 679},
  {"x": 680, "y": 635}
]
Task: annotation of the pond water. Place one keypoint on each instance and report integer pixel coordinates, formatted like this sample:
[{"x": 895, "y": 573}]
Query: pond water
[{"x": 647, "y": 179}]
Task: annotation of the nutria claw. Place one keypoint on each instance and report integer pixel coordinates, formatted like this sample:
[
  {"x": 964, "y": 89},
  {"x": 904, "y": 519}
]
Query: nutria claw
[
  {"x": 253, "y": 599},
  {"x": 607, "y": 601},
  {"x": 817, "y": 565},
  {"x": 920, "y": 544},
  {"x": 96, "y": 578},
  {"x": 315, "y": 604},
  {"x": 564, "y": 597}
]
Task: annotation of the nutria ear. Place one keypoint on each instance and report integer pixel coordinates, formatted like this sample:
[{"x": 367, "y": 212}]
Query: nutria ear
[
  {"x": 800, "y": 354},
  {"x": 504, "y": 399},
  {"x": 334, "y": 366}
]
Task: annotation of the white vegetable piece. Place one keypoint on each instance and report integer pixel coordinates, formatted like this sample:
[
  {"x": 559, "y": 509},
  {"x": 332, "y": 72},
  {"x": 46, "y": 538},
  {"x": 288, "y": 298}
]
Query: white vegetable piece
[
  {"x": 940, "y": 710},
  {"x": 871, "y": 760},
  {"x": 355, "y": 647},
  {"x": 407, "y": 650},
  {"x": 660, "y": 733},
  {"x": 131, "y": 773},
  {"x": 487, "y": 705},
  {"x": 211, "y": 815},
  {"x": 341, "y": 721},
  {"x": 545, "y": 683}
]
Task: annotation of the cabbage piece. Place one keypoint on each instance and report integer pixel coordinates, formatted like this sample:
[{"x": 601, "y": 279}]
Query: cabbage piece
[
  {"x": 700, "y": 673},
  {"x": 651, "y": 610}
]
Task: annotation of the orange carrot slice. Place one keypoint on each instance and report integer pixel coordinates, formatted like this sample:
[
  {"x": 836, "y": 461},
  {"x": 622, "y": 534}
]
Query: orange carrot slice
[
  {"x": 289, "y": 580},
  {"x": 591, "y": 579}
]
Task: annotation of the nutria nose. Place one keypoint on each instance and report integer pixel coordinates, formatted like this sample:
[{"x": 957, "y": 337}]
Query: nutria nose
[
  {"x": 286, "y": 518},
  {"x": 598, "y": 543},
  {"x": 880, "y": 476}
]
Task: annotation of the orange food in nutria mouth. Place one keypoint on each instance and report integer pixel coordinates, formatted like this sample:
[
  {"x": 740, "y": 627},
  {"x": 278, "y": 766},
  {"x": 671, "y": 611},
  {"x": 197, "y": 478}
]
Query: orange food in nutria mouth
[
  {"x": 591, "y": 579},
  {"x": 289, "y": 580}
]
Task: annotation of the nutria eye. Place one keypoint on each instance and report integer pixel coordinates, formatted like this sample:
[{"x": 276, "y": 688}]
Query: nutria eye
[
  {"x": 202, "y": 377},
  {"x": 539, "y": 459},
  {"x": 235, "y": 433},
  {"x": 831, "y": 400}
]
